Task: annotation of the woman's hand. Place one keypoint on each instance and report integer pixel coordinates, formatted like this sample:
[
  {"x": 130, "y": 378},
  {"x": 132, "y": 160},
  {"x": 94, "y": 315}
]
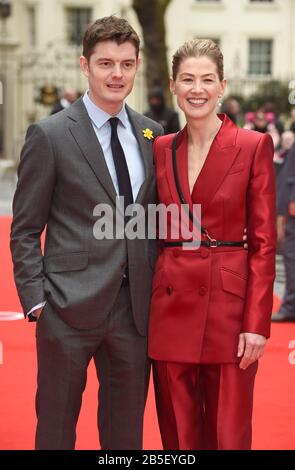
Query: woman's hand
[{"x": 251, "y": 347}]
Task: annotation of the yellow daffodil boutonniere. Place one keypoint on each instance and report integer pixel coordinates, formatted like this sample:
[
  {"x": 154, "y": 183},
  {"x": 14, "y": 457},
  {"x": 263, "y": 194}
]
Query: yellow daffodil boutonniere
[{"x": 148, "y": 133}]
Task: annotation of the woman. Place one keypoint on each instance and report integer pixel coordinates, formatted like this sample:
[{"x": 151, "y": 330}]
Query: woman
[{"x": 211, "y": 307}]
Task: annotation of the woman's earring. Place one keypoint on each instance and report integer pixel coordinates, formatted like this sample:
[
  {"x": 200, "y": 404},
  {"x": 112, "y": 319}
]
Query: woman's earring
[{"x": 219, "y": 101}]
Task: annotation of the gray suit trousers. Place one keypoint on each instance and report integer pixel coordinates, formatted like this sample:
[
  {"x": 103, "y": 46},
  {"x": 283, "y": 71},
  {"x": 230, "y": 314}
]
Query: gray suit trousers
[{"x": 122, "y": 365}]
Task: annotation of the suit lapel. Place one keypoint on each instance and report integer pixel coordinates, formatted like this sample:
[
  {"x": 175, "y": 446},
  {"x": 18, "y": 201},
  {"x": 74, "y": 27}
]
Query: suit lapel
[
  {"x": 83, "y": 133},
  {"x": 146, "y": 150},
  {"x": 220, "y": 158},
  {"x": 181, "y": 161}
]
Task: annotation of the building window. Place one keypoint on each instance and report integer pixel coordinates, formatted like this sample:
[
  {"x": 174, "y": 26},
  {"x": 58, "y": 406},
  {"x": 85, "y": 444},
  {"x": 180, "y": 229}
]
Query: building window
[
  {"x": 77, "y": 22},
  {"x": 260, "y": 57},
  {"x": 31, "y": 10}
]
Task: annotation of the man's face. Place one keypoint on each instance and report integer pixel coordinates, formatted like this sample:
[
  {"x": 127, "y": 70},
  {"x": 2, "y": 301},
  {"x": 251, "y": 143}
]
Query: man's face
[
  {"x": 110, "y": 71},
  {"x": 287, "y": 140},
  {"x": 260, "y": 120}
]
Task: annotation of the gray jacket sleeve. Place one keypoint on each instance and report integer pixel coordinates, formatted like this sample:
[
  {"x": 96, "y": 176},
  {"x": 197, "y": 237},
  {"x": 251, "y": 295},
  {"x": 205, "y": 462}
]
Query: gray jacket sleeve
[{"x": 31, "y": 208}]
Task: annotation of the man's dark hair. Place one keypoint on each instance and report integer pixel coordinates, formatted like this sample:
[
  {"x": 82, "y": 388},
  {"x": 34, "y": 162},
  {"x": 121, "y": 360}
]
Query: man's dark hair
[{"x": 109, "y": 28}]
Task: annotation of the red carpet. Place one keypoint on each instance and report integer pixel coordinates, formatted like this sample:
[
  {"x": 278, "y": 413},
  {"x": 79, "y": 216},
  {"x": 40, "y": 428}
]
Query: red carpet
[{"x": 274, "y": 413}]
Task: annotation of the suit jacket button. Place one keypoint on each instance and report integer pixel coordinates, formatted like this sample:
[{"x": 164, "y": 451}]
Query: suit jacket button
[
  {"x": 176, "y": 254},
  {"x": 204, "y": 253},
  {"x": 169, "y": 290},
  {"x": 203, "y": 290}
]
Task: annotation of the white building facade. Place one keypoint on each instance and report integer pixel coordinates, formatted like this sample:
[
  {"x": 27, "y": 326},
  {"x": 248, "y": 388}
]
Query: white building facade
[
  {"x": 40, "y": 45},
  {"x": 256, "y": 36}
]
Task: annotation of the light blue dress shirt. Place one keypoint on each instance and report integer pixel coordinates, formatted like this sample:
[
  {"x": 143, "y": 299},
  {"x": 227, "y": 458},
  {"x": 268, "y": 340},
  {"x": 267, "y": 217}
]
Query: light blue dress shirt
[{"x": 102, "y": 128}]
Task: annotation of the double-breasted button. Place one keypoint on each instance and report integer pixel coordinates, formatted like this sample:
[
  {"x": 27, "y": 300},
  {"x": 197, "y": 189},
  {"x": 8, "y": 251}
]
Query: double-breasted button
[
  {"x": 169, "y": 290},
  {"x": 203, "y": 290},
  {"x": 204, "y": 253}
]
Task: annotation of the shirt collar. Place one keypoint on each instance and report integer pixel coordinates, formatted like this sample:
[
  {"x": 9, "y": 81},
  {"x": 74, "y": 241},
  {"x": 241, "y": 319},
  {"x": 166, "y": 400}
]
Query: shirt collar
[{"x": 100, "y": 117}]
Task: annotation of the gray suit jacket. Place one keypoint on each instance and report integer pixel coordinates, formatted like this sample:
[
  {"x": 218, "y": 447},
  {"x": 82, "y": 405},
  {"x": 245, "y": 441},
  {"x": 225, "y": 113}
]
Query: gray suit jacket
[
  {"x": 62, "y": 177},
  {"x": 286, "y": 190}
]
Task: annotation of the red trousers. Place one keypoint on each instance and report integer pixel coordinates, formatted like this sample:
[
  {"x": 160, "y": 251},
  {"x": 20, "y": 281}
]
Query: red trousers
[{"x": 204, "y": 406}]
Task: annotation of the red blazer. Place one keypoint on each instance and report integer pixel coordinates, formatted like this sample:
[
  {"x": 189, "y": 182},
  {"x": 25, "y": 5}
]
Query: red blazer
[{"x": 203, "y": 299}]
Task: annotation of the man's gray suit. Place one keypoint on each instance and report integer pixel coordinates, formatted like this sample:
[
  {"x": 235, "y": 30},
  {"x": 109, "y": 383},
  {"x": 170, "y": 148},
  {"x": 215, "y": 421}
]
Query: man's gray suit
[
  {"x": 62, "y": 177},
  {"x": 286, "y": 194}
]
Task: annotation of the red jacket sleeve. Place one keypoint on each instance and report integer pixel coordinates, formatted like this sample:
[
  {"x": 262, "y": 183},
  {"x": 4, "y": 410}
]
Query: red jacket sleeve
[{"x": 261, "y": 225}]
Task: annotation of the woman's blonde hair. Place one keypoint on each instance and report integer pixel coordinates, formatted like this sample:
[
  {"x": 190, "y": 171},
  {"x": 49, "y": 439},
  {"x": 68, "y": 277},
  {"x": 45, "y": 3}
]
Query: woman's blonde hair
[{"x": 198, "y": 48}]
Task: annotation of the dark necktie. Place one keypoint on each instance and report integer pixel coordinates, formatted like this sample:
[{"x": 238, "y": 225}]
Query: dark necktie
[{"x": 121, "y": 167}]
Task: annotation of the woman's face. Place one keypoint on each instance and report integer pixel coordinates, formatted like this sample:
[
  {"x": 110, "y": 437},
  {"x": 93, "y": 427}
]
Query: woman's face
[{"x": 197, "y": 87}]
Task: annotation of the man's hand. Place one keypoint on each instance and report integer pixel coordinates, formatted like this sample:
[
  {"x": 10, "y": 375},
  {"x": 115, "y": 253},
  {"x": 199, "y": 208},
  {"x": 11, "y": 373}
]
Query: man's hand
[
  {"x": 38, "y": 312},
  {"x": 251, "y": 347},
  {"x": 281, "y": 227},
  {"x": 292, "y": 208}
]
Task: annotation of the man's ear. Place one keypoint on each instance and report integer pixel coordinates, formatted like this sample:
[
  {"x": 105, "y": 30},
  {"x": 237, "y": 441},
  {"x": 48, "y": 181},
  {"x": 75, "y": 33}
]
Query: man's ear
[
  {"x": 84, "y": 66},
  {"x": 138, "y": 62}
]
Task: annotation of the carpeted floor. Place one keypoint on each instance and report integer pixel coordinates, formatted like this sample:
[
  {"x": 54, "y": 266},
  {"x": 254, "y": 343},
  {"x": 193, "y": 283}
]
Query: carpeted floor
[{"x": 274, "y": 412}]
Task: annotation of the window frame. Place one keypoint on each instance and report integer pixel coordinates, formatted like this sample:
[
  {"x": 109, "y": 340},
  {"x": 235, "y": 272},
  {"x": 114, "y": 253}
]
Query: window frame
[
  {"x": 263, "y": 59},
  {"x": 70, "y": 24}
]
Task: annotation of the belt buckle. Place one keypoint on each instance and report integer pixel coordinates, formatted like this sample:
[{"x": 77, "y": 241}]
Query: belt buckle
[{"x": 213, "y": 243}]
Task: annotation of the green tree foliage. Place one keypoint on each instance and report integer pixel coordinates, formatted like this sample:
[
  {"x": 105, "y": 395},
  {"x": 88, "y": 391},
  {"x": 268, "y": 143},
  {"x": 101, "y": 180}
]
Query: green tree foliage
[{"x": 275, "y": 91}]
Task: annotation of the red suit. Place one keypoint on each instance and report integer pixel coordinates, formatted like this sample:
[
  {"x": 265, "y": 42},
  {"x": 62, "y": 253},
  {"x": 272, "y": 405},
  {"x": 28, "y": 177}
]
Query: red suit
[{"x": 203, "y": 299}]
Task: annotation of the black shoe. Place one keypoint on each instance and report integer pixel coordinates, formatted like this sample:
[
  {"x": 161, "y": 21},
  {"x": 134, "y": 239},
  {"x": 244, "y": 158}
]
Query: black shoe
[{"x": 282, "y": 317}]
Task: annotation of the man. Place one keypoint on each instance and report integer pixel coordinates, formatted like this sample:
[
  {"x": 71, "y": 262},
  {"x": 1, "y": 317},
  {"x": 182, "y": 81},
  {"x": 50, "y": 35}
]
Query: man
[
  {"x": 281, "y": 157},
  {"x": 96, "y": 292},
  {"x": 286, "y": 233},
  {"x": 69, "y": 96},
  {"x": 231, "y": 107},
  {"x": 159, "y": 112}
]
